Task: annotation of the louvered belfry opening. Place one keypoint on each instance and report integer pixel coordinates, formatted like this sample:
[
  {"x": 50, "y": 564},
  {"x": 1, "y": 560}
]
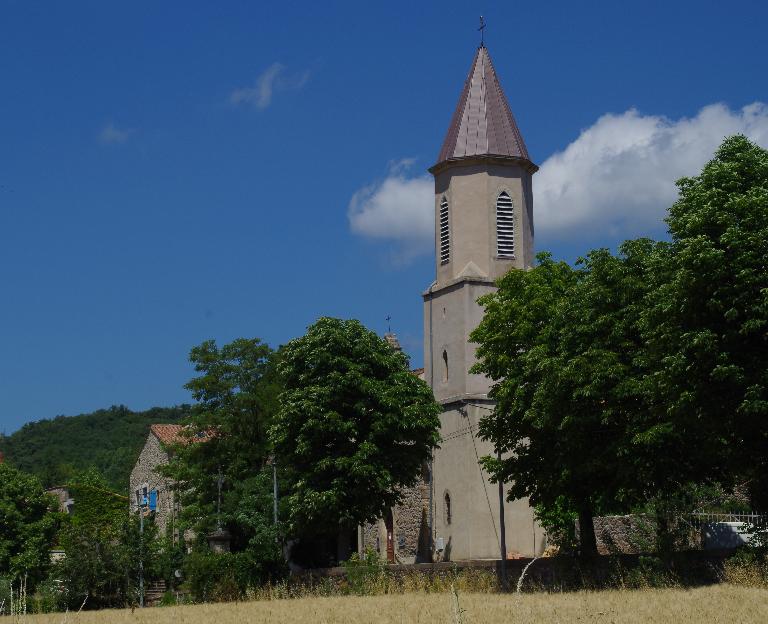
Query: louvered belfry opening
[
  {"x": 445, "y": 233},
  {"x": 505, "y": 227}
]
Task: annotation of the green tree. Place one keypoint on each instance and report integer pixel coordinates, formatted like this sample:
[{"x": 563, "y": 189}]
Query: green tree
[
  {"x": 236, "y": 392},
  {"x": 565, "y": 351},
  {"x": 354, "y": 426},
  {"x": 516, "y": 342},
  {"x": 707, "y": 327},
  {"x": 103, "y": 546},
  {"x": 640, "y": 376},
  {"x": 28, "y": 525},
  {"x": 95, "y": 503}
]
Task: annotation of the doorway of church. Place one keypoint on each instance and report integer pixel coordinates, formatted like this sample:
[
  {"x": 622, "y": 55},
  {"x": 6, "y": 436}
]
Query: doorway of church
[{"x": 389, "y": 525}]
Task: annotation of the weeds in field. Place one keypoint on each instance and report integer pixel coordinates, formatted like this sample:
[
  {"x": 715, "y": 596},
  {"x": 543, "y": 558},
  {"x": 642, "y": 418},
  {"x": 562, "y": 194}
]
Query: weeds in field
[
  {"x": 748, "y": 568},
  {"x": 522, "y": 575},
  {"x": 367, "y": 576},
  {"x": 376, "y": 580},
  {"x": 458, "y": 612}
]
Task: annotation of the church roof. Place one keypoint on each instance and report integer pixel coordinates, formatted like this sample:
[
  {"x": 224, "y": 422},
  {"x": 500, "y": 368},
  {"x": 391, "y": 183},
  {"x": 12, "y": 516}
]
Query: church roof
[{"x": 483, "y": 124}]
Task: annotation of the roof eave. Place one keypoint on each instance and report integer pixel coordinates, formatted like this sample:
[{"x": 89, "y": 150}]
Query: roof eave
[{"x": 477, "y": 159}]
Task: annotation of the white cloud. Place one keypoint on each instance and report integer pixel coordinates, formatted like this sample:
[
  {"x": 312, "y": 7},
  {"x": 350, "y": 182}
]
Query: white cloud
[
  {"x": 618, "y": 177},
  {"x": 272, "y": 80},
  {"x": 111, "y": 134},
  {"x": 398, "y": 208}
]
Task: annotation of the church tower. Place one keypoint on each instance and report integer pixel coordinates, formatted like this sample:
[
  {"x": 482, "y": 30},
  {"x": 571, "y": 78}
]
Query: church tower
[{"x": 483, "y": 228}]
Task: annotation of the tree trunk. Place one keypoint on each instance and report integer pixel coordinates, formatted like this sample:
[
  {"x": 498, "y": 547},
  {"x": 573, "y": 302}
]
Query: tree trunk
[
  {"x": 587, "y": 541},
  {"x": 665, "y": 541},
  {"x": 343, "y": 545}
]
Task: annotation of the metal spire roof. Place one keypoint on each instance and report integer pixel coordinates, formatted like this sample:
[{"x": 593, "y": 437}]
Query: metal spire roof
[{"x": 483, "y": 123}]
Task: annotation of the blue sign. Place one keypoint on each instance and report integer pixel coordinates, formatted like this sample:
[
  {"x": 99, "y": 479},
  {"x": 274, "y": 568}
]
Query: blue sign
[{"x": 153, "y": 500}]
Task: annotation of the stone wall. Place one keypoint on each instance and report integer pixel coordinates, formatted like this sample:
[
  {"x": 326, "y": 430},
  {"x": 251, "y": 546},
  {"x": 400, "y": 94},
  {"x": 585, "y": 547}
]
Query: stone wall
[
  {"x": 560, "y": 573},
  {"x": 630, "y": 534},
  {"x": 410, "y": 527},
  {"x": 372, "y": 537},
  {"x": 145, "y": 474}
]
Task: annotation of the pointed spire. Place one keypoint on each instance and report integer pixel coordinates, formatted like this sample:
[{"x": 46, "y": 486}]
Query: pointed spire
[{"x": 483, "y": 124}]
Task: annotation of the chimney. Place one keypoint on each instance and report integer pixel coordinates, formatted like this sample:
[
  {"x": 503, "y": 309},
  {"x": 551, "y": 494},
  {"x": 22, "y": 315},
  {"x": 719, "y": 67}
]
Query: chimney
[{"x": 393, "y": 341}]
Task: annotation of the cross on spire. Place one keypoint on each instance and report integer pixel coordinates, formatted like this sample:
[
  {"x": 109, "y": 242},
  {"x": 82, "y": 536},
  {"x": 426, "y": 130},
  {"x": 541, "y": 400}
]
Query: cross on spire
[{"x": 482, "y": 31}]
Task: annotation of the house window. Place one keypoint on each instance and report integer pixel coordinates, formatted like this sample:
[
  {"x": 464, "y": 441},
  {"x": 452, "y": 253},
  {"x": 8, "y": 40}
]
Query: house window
[
  {"x": 445, "y": 366},
  {"x": 445, "y": 233},
  {"x": 448, "y": 512},
  {"x": 505, "y": 227}
]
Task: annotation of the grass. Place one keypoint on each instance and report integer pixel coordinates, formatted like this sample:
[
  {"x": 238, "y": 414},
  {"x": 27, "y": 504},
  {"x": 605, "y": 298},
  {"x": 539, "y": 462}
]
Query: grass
[{"x": 716, "y": 603}]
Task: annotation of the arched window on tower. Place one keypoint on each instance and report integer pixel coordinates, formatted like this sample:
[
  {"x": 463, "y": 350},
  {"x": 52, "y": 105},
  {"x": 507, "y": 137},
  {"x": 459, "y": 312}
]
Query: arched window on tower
[
  {"x": 445, "y": 233},
  {"x": 505, "y": 227},
  {"x": 445, "y": 366}
]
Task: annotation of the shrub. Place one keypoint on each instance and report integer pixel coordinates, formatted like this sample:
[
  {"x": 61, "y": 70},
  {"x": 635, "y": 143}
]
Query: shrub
[
  {"x": 747, "y": 567},
  {"x": 221, "y": 577},
  {"x": 363, "y": 572},
  {"x": 649, "y": 572}
]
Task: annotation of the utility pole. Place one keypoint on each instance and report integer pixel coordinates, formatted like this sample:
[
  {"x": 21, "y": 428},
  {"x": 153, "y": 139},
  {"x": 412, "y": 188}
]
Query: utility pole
[
  {"x": 274, "y": 490},
  {"x": 219, "y": 482},
  {"x": 502, "y": 533},
  {"x": 141, "y": 550}
]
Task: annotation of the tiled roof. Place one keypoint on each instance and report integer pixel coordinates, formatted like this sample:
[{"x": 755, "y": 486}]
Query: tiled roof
[
  {"x": 483, "y": 124},
  {"x": 172, "y": 434},
  {"x": 168, "y": 434}
]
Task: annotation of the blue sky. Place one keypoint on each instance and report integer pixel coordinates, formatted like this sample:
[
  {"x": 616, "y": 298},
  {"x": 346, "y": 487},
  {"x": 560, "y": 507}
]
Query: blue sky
[{"x": 172, "y": 172}]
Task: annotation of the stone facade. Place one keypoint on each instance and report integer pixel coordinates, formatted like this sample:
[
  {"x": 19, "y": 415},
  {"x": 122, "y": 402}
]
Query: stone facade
[
  {"x": 631, "y": 534},
  {"x": 62, "y": 495},
  {"x": 409, "y": 531},
  {"x": 146, "y": 478}
]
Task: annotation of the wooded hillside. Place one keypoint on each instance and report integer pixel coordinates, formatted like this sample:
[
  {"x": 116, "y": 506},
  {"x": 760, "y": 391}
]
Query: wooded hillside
[{"x": 107, "y": 439}]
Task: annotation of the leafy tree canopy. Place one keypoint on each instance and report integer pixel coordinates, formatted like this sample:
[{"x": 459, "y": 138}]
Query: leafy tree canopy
[
  {"x": 354, "y": 426},
  {"x": 96, "y": 505},
  {"x": 236, "y": 392},
  {"x": 637, "y": 374},
  {"x": 708, "y": 325},
  {"x": 28, "y": 525},
  {"x": 103, "y": 546}
]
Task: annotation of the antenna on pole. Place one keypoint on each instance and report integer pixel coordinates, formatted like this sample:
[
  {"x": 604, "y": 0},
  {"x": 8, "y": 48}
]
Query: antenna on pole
[{"x": 482, "y": 31}]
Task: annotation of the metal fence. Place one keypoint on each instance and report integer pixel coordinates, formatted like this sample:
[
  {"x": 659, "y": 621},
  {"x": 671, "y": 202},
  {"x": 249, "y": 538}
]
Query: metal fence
[
  {"x": 728, "y": 530},
  {"x": 700, "y": 519}
]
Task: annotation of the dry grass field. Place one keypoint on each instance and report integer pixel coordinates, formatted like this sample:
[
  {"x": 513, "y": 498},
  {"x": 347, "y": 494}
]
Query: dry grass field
[{"x": 720, "y": 603}]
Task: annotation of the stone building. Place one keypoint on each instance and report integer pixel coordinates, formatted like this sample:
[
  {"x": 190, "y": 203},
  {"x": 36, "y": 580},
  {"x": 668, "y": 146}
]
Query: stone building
[
  {"x": 151, "y": 488},
  {"x": 483, "y": 228},
  {"x": 61, "y": 492}
]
